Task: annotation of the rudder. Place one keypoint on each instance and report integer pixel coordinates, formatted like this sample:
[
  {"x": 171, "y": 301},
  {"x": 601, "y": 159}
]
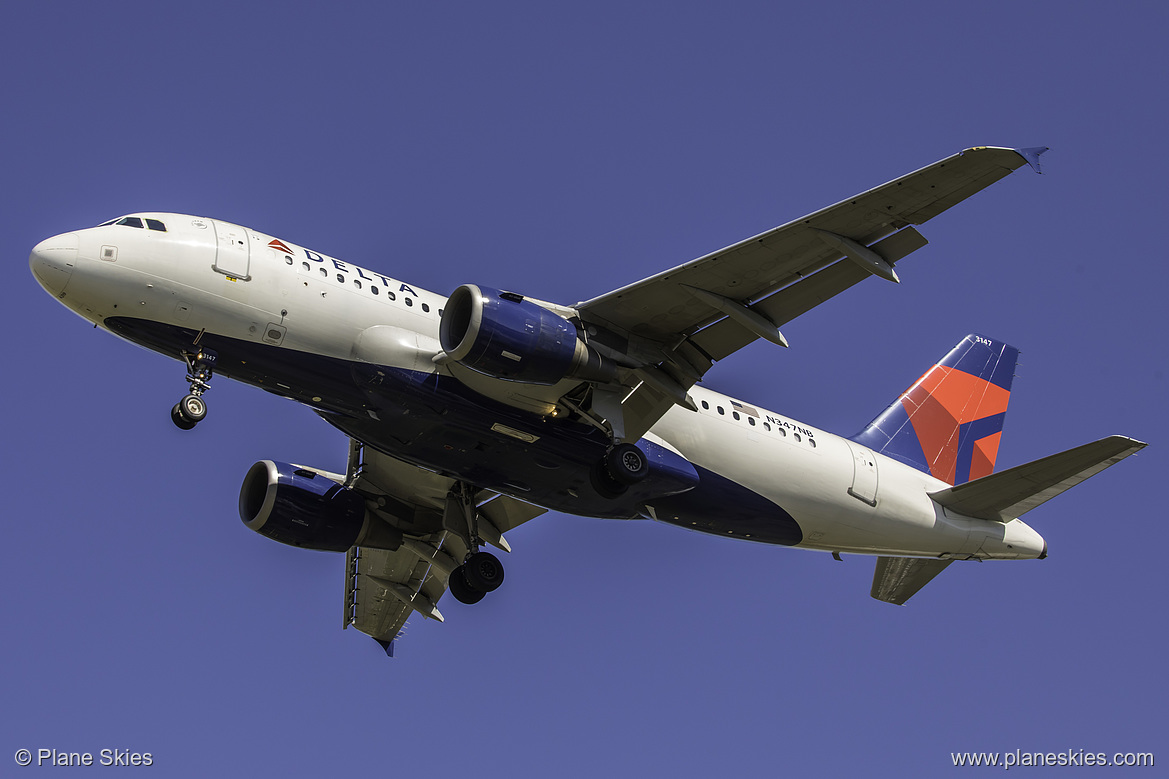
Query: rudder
[{"x": 949, "y": 422}]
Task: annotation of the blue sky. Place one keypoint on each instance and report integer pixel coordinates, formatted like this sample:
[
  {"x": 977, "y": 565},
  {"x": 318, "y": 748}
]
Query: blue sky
[{"x": 564, "y": 150}]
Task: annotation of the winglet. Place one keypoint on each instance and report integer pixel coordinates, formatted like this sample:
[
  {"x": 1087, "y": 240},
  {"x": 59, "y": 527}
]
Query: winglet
[
  {"x": 388, "y": 646},
  {"x": 1031, "y": 154}
]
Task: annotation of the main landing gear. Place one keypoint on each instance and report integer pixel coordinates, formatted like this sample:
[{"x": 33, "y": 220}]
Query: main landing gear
[
  {"x": 622, "y": 466},
  {"x": 189, "y": 411},
  {"x": 480, "y": 572}
]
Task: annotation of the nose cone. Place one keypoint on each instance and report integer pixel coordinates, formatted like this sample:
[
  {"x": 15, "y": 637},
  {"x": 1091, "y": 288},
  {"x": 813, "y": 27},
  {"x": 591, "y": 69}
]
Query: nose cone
[{"x": 52, "y": 261}]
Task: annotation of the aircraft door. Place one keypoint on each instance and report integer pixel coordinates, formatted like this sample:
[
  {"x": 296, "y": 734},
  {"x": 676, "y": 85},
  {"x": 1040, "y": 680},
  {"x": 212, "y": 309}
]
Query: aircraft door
[
  {"x": 232, "y": 251},
  {"x": 864, "y": 474}
]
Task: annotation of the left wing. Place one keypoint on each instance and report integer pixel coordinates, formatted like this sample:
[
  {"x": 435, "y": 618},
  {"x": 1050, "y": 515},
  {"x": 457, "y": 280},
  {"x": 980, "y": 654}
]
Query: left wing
[
  {"x": 668, "y": 329},
  {"x": 384, "y": 587}
]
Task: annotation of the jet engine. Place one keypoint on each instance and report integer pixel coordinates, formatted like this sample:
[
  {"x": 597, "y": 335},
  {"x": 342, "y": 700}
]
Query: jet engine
[
  {"x": 302, "y": 508},
  {"x": 505, "y": 336}
]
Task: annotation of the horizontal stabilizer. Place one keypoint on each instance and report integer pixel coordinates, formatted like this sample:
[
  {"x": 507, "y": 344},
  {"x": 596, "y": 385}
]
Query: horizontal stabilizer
[
  {"x": 897, "y": 579},
  {"x": 1003, "y": 496}
]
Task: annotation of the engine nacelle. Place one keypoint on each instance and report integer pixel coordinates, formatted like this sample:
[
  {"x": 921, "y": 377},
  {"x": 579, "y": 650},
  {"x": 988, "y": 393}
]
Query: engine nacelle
[
  {"x": 298, "y": 507},
  {"x": 503, "y": 335}
]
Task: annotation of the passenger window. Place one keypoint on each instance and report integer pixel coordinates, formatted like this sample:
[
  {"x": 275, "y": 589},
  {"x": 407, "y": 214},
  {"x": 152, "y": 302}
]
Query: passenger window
[
  {"x": 306, "y": 265},
  {"x": 324, "y": 273},
  {"x": 720, "y": 410},
  {"x": 751, "y": 421},
  {"x": 288, "y": 259},
  {"x": 357, "y": 283},
  {"x": 735, "y": 414},
  {"x": 373, "y": 289},
  {"x": 409, "y": 301},
  {"x": 426, "y": 308},
  {"x": 705, "y": 405},
  {"x": 131, "y": 221},
  {"x": 154, "y": 224},
  {"x": 390, "y": 294},
  {"x": 767, "y": 426},
  {"x": 340, "y": 278}
]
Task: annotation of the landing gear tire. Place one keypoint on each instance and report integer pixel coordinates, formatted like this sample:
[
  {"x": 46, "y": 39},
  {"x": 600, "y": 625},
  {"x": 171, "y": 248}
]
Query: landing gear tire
[
  {"x": 188, "y": 411},
  {"x": 483, "y": 572},
  {"x": 626, "y": 464},
  {"x": 463, "y": 592},
  {"x": 193, "y": 408},
  {"x": 605, "y": 485},
  {"x": 181, "y": 422}
]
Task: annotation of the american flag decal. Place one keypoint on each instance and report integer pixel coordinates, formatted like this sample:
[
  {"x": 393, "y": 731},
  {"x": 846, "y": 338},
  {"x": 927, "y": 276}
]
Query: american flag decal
[{"x": 749, "y": 410}]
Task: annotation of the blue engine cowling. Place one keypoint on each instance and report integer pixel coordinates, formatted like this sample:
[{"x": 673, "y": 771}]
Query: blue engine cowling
[
  {"x": 300, "y": 508},
  {"x": 503, "y": 335}
]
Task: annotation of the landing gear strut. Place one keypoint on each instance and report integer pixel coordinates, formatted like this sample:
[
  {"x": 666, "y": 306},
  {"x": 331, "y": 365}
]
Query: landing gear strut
[
  {"x": 192, "y": 408},
  {"x": 481, "y": 572}
]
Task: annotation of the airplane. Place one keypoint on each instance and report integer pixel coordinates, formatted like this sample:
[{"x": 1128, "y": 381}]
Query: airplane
[{"x": 471, "y": 414}]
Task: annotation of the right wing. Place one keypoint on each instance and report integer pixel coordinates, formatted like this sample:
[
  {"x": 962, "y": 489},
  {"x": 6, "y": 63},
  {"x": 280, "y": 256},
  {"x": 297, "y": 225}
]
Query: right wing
[{"x": 672, "y": 326}]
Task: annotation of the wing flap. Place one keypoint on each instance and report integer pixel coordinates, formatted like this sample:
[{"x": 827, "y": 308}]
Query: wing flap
[
  {"x": 506, "y": 512},
  {"x": 727, "y": 336},
  {"x": 1003, "y": 496},
  {"x": 897, "y": 579},
  {"x": 370, "y": 607}
]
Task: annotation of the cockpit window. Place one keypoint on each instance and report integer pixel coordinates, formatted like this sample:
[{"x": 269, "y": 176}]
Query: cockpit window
[{"x": 134, "y": 221}]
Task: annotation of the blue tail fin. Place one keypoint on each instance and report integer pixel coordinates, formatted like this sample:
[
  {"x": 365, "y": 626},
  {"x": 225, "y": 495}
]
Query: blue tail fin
[{"x": 950, "y": 421}]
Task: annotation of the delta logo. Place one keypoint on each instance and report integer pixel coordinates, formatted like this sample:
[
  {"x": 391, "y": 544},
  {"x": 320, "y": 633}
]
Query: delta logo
[{"x": 279, "y": 246}]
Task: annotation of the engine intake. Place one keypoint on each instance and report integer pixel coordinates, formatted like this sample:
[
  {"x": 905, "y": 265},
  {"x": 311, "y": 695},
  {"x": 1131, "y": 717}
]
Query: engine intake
[
  {"x": 298, "y": 507},
  {"x": 505, "y": 336}
]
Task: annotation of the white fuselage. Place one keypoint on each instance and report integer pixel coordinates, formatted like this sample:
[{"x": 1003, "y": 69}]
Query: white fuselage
[{"x": 207, "y": 275}]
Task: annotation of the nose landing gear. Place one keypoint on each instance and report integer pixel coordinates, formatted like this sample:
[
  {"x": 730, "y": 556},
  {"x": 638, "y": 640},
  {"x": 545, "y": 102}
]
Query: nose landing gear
[{"x": 192, "y": 408}]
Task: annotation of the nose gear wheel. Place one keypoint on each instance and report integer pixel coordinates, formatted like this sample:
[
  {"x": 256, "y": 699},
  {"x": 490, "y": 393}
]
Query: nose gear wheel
[{"x": 192, "y": 408}]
